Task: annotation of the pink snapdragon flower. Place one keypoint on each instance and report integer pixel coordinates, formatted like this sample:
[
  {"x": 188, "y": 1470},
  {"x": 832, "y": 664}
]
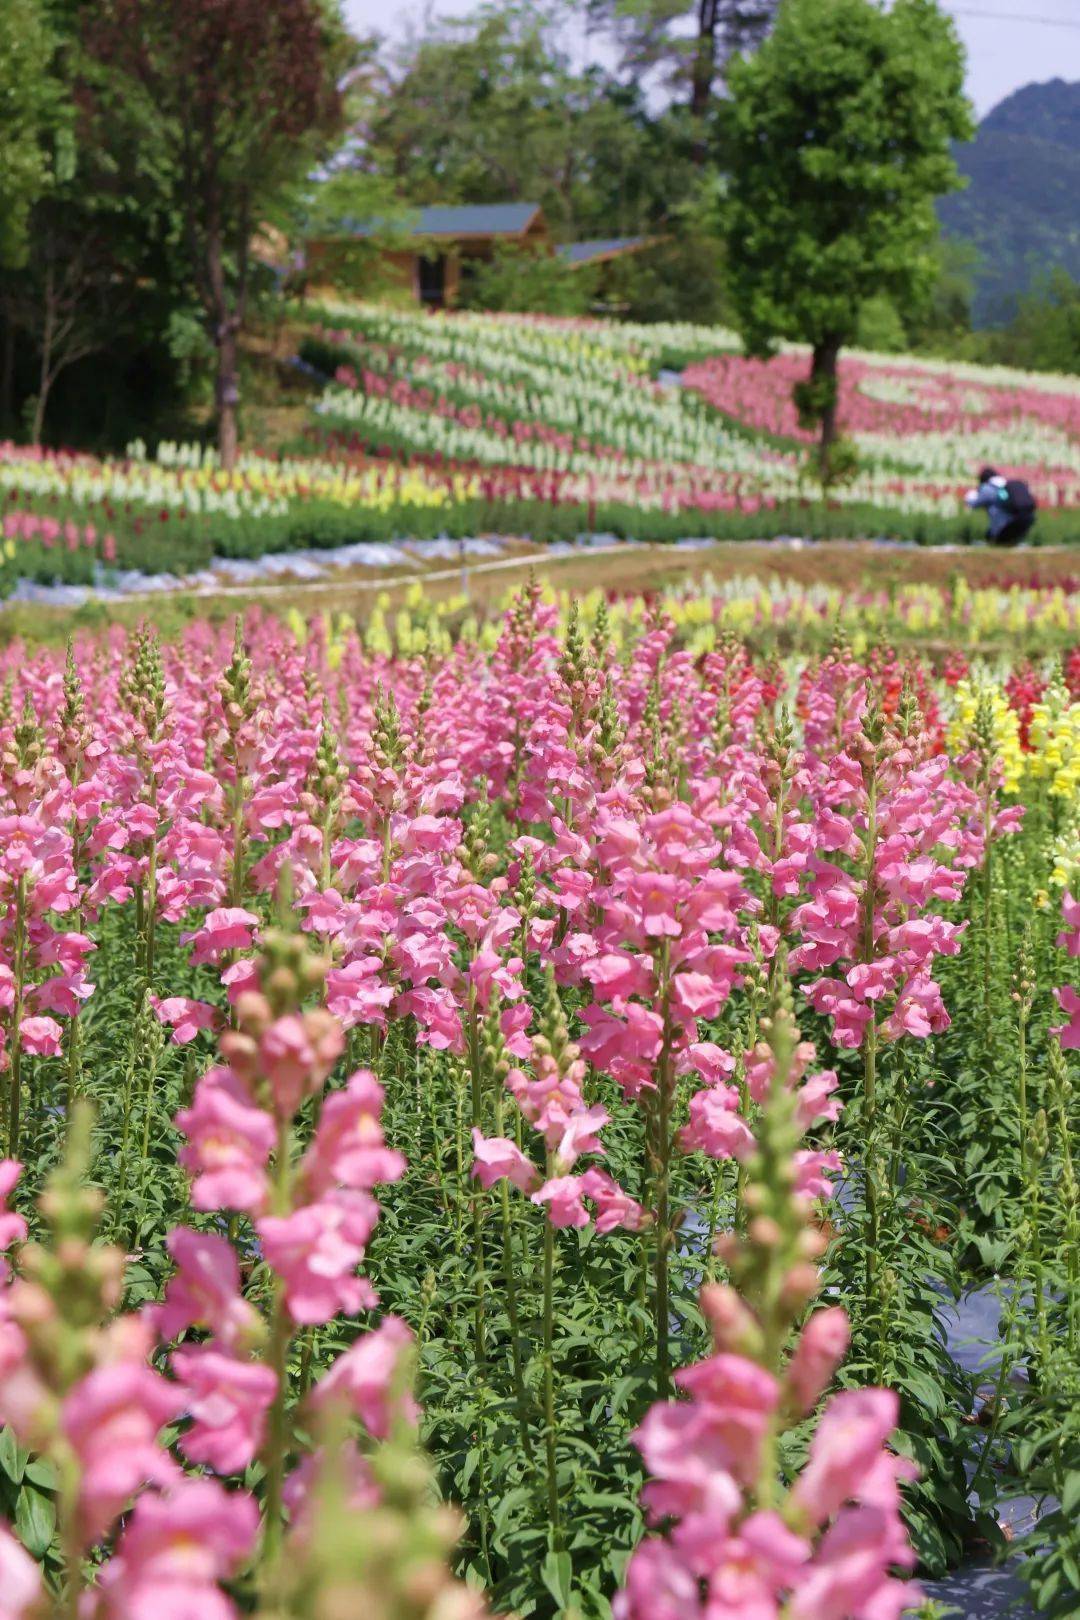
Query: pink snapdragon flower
[
  {"x": 228, "y": 928},
  {"x": 227, "y": 1400},
  {"x": 316, "y": 1249},
  {"x": 204, "y": 1291},
  {"x": 366, "y": 1378},
  {"x": 173, "y": 1552},
  {"x": 563, "y": 1197},
  {"x": 614, "y": 1207},
  {"x": 348, "y": 1148},
  {"x": 1068, "y": 999},
  {"x": 12, "y": 1226},
  {"x": 229, "y": 1142},
  {"x": 496, "y": 1158},
  {"x": 184, "y": 1016},
  {"x": 112, "y": 1419},
  {"x": 21, "y": 1587}
]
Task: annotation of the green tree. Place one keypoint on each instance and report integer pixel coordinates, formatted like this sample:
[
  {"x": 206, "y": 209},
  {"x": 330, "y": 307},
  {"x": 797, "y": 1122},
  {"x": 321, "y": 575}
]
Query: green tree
[
  {"x": 28, "y": 108},
  {"x": 942, "y": 323},
  {"x": 212, "y": 114},
  {"x": 520, "y": 278},
  {"x": 1045, "y": 333},
  {"x": 839, "y": 136},
  {"x": 487, "y": 107}
]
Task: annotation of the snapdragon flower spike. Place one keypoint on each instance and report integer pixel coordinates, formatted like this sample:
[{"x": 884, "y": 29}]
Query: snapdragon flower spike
[
  {"x": 76, "y": 1380},
  {"x": 1068, "y": 998},
  {"x": 553, "y": 1102},
  {"x": 730, "y": 1539},
  {"x": 42, "y": 964},
  {"x": 312, "y": 1220},
  {"x": 174, "y": 1550},
  {"x": 667, "y": 950},
  {"x": 907, "y": 833},
  {"x": 75, "y": 1383}
]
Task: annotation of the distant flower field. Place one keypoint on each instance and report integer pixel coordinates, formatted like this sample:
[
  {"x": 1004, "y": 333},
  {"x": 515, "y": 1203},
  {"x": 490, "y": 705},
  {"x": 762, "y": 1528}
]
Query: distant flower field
[{"x": 466, "y": 424}]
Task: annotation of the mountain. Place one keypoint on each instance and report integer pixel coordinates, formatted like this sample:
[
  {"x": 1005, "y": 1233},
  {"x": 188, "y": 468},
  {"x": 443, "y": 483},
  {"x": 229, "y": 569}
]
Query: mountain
[{"x": 1021, "y": 207}]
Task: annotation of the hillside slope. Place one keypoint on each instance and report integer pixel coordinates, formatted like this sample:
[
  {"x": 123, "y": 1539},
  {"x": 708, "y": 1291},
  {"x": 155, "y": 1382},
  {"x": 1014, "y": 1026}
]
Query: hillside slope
[{"x": 1022, "y": 204}]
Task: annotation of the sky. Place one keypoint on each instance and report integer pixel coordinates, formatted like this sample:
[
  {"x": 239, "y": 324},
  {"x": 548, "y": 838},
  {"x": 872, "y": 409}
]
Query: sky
[{"x": 1009, "y": 42}]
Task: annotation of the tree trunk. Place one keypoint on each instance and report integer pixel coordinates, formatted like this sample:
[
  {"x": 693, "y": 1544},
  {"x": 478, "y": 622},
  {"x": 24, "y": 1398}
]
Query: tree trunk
[
  {"x": 45, "y": 372},
  {"x": 7, "y": 374},
  {"x": 702, "y": 74},
  {"x": 227, "y": 393},
  {"x": 825, "y": 385},
  {"x": 226, "y": 326}
]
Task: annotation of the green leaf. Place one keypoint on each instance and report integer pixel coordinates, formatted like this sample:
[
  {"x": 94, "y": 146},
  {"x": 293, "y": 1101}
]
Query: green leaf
[
  {"x": 40, "y": 1471},
  {"x": 12, "y": 1458},
  {"x": 557, "y": 1575},
  {"x": 35, "y": 1522},
  {"x": 1070, "y": 1496}
]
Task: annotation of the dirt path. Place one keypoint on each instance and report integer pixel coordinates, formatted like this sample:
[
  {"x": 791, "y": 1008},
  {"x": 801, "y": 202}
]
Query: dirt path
[
  {"x": 286, "y": 589},
  {"x": 850, "y": 565}
]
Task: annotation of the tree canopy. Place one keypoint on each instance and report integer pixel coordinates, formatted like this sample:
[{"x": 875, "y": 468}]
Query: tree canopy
[
  {"x": 28, "y": 110},
  {"x": 212, "y": 111},
  {"x": 488, "y": 106}
]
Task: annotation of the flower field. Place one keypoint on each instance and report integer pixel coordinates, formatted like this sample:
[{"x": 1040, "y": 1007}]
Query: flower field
[
  {"x": 466, "y": 424},
  {"x": 578, "y": 402},
  {"x": 498, "y": 1112}
]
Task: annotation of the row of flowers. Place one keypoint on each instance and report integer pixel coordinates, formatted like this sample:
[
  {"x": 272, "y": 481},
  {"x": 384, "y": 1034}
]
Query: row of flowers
[{"x": 918, "y": 428}]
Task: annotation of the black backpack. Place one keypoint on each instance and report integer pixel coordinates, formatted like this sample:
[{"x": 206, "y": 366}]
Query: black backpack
[{"x": 1019, "y": 499}]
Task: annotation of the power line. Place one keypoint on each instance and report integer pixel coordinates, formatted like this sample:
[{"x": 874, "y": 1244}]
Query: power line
[{"x": 1015, "y": 16}]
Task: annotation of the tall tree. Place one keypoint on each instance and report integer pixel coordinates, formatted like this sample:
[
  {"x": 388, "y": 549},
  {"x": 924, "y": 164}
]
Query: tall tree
[
  {"x": 688, "y": 42},
  {"x": 28, "y": 107},
  {"x": 214, "y": 110},
  {"x": 488, "y": 107},
  {"x": 839, "y": 136}
]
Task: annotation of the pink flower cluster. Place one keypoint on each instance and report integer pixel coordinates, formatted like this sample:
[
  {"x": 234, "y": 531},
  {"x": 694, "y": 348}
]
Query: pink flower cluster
[{"x": 49, "y": 531}]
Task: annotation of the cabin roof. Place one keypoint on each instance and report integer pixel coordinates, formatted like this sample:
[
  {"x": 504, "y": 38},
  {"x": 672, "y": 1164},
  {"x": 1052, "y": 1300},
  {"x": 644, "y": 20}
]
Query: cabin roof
[
  {"x": 457, "y": 221},
  {"x": 596, "y": 252}
]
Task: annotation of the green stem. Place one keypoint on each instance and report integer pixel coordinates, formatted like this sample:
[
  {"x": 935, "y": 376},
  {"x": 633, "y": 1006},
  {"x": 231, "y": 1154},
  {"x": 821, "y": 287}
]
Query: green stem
[
  {"x": 510, "y": 1282},
  {"x": 665, "y": 1090},
  {"x": 987, "y": 899},
  {"x": 479, "y": 1270},
  {"x": 549, "y": 1383},
  {"x": 237, "y": 884},
  {"x": 868, "y": 953},
  {"x": 276, "y": 1434},
  {"x": 1022, "y": 1088},
  {"x": 873, "y": 1215},
  {"x": 78, "y": 924},
  {"x": 999, "y": 1387},
  {"x": 70, "y": 1542},
  {"x": 277, "y": 1355},
  {"x": 129, "y": 1081},
  {"x": 148, "y": 1111},
  {"x": 744, "y": 1111},
  {"x": 646, "y": 1237}
]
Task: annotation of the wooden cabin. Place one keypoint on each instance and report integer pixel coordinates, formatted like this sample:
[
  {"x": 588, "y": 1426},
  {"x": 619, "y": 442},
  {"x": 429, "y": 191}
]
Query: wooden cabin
[{"x": 448, "y": 241}]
